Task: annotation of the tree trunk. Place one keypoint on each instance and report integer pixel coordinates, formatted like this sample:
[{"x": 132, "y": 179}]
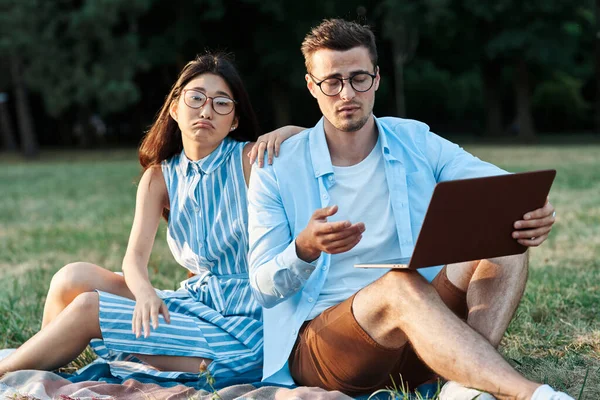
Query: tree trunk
[
  {"x": 399, "y": 79},
  {"x": 525, "y": 128},
  {"x": 281, "y": 105},
  {"x": 597, "y": 113},
  {"x": 491, "y": 71},
  {"x": 6, "y": 128},
  {"x": 29, "y": 144}
]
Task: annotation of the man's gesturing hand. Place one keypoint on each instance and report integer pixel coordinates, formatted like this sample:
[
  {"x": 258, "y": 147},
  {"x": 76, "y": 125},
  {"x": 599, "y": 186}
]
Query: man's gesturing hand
[{"x": 330, "y": 237}]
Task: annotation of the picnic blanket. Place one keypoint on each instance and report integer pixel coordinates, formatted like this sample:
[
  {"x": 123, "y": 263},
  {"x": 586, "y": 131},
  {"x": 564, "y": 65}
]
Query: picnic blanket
[
  {"x": 95, "y": 382},
  {"x": 33, "y": 385}
]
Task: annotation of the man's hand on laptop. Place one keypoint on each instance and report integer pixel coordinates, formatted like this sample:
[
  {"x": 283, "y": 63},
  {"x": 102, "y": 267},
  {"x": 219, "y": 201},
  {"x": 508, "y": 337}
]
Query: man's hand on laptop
[
  {"x": 535, "y": 226},
  {"x": 330, "y": 237}
]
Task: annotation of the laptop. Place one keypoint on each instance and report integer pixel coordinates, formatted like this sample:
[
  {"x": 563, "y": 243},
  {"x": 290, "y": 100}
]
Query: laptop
[{"x": 472, "y": 219}]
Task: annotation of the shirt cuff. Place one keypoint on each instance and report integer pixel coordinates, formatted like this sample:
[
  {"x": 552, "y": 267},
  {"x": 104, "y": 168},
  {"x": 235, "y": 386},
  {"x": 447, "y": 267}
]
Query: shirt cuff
[{"x": 289, "y": 259}]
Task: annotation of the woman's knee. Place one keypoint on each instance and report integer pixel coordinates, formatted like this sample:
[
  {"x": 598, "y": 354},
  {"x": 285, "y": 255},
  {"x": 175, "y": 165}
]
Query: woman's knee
[
  {"x": 72, "y": 279},
  {"x": 87, "y": 304}
]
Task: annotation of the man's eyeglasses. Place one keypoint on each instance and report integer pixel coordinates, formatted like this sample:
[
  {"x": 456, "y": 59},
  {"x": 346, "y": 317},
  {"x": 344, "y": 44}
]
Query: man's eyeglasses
[
  {"x": 196, "y": 99},
  {"x": 360, "y": 82}
]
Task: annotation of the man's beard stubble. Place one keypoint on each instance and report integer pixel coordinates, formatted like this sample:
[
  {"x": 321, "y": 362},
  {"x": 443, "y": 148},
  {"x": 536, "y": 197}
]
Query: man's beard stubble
[{"x": 351, "y": 125}]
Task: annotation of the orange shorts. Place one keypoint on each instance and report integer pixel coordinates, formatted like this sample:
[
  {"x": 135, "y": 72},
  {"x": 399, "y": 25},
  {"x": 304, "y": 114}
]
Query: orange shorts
[{"x": 335, "y": 353}]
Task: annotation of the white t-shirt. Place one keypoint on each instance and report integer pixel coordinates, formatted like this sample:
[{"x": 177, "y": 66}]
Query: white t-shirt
[{"x": 361, "y": 193}]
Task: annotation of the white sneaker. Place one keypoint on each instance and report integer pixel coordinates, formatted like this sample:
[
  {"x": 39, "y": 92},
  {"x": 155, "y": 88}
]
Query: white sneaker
[
  {"x": 455, "y": 391},
  {"x": 545, "y": 392}
]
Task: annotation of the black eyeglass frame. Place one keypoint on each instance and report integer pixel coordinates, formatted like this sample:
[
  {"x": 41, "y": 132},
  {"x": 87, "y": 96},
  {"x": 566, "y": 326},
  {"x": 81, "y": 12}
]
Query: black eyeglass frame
[
  {"x": 373, "y": 76},
  {"x": 212, "y": 103}
]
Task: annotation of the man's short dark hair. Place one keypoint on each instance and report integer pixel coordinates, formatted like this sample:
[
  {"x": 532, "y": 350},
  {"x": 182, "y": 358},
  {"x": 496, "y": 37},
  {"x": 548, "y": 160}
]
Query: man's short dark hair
[{"x": 338, "y": 34}]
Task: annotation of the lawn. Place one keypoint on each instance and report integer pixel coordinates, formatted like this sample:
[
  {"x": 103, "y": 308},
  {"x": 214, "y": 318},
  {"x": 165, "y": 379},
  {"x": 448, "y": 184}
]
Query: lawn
[{"x": 69, "y": 207}]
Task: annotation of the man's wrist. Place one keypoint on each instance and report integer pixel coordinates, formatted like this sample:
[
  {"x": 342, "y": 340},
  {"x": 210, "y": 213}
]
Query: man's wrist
[{"x": 304, "y": 252}]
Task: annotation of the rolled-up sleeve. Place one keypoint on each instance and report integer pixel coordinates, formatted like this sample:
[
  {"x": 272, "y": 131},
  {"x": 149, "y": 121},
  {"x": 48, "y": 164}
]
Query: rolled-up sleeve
[{"x": 276, "y": 272}]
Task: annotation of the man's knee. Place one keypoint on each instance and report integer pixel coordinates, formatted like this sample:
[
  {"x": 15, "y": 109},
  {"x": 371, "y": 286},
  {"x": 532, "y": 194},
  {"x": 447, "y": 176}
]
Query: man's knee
[
  {"x": 403, "y": 290},
  {"x": 461, "y": 274},
  {"x": 515, "y": 262}
]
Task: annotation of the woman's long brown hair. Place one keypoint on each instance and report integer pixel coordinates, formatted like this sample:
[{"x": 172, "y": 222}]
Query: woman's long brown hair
[{"x": 163, "y": 139}]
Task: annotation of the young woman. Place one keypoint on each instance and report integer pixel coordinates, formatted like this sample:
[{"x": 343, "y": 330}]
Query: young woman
[{"x": 196, "y": 159}]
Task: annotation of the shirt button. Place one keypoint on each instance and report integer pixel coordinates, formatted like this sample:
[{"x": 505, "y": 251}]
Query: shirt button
[
  {"x": 310, "y": 300},
  {"x": 294, "y": 332},
  {"x": 325, "y": 197},
  {"x": 324, "y": 267},
  {"x": 307, "y": 271},
  {"x": 330, "y": 178}
]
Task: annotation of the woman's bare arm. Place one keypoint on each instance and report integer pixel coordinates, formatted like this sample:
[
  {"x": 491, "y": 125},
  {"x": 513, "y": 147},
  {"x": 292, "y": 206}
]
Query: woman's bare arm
[{"x": 151, "y": 199}]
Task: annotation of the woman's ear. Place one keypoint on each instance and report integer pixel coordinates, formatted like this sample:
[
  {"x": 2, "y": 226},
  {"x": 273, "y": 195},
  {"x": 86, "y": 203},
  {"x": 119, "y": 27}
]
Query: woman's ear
[
  {"x": 173, "y": 110},
  {"x": 234, "y": 124}
]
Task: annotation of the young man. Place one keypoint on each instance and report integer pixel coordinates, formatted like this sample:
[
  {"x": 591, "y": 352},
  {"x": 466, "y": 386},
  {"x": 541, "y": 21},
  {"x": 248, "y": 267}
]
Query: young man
[{"x": 354, "y": 189}]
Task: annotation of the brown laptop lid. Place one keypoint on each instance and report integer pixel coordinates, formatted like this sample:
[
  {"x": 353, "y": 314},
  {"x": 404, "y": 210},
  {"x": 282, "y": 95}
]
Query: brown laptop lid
[{"x": 493, "y": 204}]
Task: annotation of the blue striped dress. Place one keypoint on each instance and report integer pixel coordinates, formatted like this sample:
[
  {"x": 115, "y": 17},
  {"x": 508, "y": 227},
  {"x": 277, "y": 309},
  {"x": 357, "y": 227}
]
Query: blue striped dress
[{"x": 213, "y": 314}]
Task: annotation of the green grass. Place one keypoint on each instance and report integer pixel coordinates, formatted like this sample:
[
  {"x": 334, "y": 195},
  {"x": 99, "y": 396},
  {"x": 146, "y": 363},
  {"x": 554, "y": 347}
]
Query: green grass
[{"x": 69, "y": 207}]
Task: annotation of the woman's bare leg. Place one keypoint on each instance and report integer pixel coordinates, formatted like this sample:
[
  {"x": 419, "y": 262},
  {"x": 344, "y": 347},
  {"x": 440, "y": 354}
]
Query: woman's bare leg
[
  {"x": 60, "y": 342},
  {"x": 76, "y": 278},
  {"x": 63, "y": 340},
  {"x": 174, "y": 363}
]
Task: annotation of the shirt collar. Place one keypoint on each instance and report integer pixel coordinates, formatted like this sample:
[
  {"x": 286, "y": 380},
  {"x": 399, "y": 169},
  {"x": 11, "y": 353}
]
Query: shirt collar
[
  {"x": 388, "y": 141},
  {"x": 319, "y": 151},
  {"x": 209, "y": 163}
]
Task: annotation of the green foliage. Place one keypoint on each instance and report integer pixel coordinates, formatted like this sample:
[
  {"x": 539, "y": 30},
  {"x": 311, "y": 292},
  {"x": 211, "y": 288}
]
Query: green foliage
[
  {"x": 559, "y": 105},
  {"x": 82, "y": 55},
  {"x": 432, "y": 90},
  {"x": 109, "y": 56}
]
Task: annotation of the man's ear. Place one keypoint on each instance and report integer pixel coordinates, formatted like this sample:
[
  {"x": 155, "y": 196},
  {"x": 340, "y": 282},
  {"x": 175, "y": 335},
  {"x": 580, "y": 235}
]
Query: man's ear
[
  {"x": 311, "y": 85},
  {"x": 173, "y": 110},
  {"x": 377, "y": 78}
]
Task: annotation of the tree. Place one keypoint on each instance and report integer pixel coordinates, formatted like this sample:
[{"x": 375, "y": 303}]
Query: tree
[
  {"x": 81, "y": 55},
  {"x": 597, "y": 50},
  {"x": 402, "y": 23},
  {"x": 16, "y": 21},
  {"x": 524, "y": 34},
  {"x": 6, "y": 129}
]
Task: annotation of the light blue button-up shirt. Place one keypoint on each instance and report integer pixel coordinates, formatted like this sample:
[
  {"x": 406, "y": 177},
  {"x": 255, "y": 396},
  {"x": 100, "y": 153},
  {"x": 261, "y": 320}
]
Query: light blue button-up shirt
[{"x": 282, "y": 198}]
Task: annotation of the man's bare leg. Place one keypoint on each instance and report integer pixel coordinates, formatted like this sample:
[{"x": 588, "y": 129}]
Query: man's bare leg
[
  {"x": 402, "y": 305},
  {"x": 76, "y": 278},
  {"x": 494, "y": 289},
  {"x": 69, "y": 334}
]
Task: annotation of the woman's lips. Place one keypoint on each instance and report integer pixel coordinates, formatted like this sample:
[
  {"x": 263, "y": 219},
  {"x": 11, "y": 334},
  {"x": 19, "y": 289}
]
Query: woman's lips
[{"x": 202, "y": 124}]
